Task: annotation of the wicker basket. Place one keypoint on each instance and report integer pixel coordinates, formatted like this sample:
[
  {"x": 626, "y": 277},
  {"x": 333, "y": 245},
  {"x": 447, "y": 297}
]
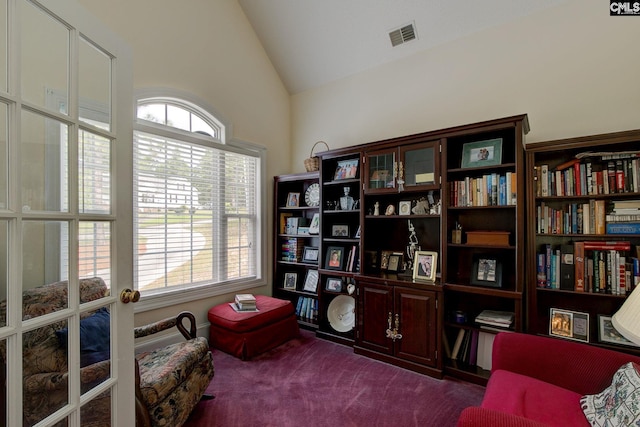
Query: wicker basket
[{"x": 312, "y": 164}]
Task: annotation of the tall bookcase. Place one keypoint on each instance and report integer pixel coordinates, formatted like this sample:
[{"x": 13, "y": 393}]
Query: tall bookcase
[
  {"x": 296, "y": 244},
  {"x": 340, "y": 210},
  {"x": 483, "y": 227},
  {"x": 577, "y": 184}
]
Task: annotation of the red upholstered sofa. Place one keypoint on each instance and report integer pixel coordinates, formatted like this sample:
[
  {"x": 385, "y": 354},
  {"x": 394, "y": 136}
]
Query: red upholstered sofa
[{"x": 538, "y": 381}]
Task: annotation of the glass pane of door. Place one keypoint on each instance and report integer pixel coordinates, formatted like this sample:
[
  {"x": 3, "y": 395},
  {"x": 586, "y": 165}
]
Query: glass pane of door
[
  {"x": 381, "y": 170},
  {"x": 4, "y": 159},
  {"x": 94, "y": 84},
  {"x": 420, "y": 166},
  {"x": 44, "y": 163},
  {"x": 43, "y": 70},
  {"x": 3, "y": 45}
]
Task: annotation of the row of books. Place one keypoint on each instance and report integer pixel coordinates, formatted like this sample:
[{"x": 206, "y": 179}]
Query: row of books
[
  {"x": 589, "y": 266},
  {"x": 292, "y": 250},
  {"x": 353, "y": 260},
  {"x": 593, "y": 217},
  {"x": 581, "y": 177},
  {"x": 472, "y": 347},
  {"x": 488, "y": 190},
  {"x": 307, "y": 309}
]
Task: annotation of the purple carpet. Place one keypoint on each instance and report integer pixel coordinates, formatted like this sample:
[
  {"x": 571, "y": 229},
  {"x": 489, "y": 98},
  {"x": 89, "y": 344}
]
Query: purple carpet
[{"x": 313, "y": 382}]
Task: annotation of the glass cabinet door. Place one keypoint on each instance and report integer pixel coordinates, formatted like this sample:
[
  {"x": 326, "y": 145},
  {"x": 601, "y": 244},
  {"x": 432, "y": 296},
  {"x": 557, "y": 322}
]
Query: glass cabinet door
[
  {"x": 419, "y": 165},
  {"x": 380, "y": 175}
]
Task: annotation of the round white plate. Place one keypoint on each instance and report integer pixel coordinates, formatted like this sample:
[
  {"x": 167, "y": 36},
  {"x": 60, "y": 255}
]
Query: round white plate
[
  {"x": 312, "y": 195},
  {"x": 342, "y": 313}
]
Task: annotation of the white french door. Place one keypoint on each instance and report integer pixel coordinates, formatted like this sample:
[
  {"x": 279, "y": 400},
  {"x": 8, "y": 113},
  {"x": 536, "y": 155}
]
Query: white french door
[{"x": 66, "y": 112}]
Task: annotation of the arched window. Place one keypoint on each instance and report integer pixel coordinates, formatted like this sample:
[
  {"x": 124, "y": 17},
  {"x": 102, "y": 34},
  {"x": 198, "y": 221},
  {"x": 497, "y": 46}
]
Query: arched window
[{"x": 196, "y": 201}]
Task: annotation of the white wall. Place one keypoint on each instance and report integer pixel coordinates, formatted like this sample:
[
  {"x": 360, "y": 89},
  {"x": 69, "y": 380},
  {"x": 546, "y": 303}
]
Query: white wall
[
  {"x": 573, "y": 69},
  {"x": 209, "y": 49}
]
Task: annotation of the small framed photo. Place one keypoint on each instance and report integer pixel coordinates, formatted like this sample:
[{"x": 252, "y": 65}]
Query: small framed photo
[
  {"x": 334, "y": 285},
  {"x": 395, "y": 262},
  {"x": 311, "y": 281},
  {"x": 425, "y": 265},
  {"x": 482, "y": 153},
  {"x": 567, "y": 324},
  {"x": 346, "y": 169},
  {"x": 335, "y": 258},
  {"x": 371, "y": 260},
  {"x": 608, "y": 334},
  {"x": 404, "y": 207},
  {"x": 293, "y": 200},
  {"x": 339, "y": 230},
  {"x": 290, "y": 280},
  {"x": 486, "y": 271},
  {"x": 310, "y": 254},
  {"x": 384, "y": 259},
  {"x": 314, "y": 227}
]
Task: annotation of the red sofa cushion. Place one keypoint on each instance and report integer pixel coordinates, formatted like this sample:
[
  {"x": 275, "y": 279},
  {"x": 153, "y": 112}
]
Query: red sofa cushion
[
  {"x": 270, "y": 310},
  {"x": 533, "y": 399}
]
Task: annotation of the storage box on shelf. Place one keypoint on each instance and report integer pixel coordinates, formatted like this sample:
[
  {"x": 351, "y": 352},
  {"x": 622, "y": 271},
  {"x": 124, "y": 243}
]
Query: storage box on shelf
[
  {"x": 483, "y": 227},
  {"x": 584, "y": 232},
  {"x": 297, "y": 244}
]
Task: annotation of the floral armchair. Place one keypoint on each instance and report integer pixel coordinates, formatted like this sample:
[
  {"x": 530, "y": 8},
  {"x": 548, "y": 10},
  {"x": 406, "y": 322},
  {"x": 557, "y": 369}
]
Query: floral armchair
[{"x": 169, "y": 381}]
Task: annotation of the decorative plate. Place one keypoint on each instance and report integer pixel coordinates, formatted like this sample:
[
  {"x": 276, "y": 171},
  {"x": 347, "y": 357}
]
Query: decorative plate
[
  {"x": 342, "y": 313},
  {"x": 312, "y": 195}
]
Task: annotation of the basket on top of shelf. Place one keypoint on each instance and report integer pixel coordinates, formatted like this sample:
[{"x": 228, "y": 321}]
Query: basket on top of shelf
[{"x": 312, "y": 164}]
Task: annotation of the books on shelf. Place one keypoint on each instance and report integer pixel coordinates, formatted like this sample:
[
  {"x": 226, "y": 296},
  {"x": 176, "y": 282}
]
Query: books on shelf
[
  {"x": 598, "y": 266},
  {"x": 244, "y": 302},
  {"x": 488, "y": 190},
  {"x": 502, "y": 319},
  {"x": 589, "y": 176},
  {"x": 307, "y": 309}
]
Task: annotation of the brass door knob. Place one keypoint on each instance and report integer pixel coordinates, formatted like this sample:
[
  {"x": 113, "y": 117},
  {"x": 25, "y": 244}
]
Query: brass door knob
[{"x": 127, "y": 296}]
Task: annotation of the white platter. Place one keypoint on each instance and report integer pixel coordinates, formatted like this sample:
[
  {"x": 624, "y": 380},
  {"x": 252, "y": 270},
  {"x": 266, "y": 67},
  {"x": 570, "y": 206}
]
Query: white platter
[{"x": 342, "y": 313}]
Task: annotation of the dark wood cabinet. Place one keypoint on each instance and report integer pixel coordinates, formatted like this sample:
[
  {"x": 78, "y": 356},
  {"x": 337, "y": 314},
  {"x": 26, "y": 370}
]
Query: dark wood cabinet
[
  {"x": 398, "y": 324},
  {"x": 384, "y": 201}
]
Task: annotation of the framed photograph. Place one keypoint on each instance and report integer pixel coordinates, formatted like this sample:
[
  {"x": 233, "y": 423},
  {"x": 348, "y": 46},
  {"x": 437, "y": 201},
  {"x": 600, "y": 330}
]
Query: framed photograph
[
  {"x": 425, "y": 264},
  {"x": 404, "y": 207},
  {"x": 486, "y": 271},
  {"x": 395, "y": 262},
  {"x": 384, "y": 259},
  {"x": 346, "y": 169},
  {"x": 371, "y": 260},
  {"x": 567, "y": 324},
  {"x": 314, "y": 227},
  {"x": 310, "y": 254},
  {"x": 311, "y": 281},
  {"x": 290, "y": 280},
  {"x": 334, "y": 285},
  {"x": 339, "y": 230},
  {"x": 608, "y": 334},
  {"x": 293, "y": 200},
  {"x": 482, "y": 153},
  {"x": 335, "y": 258}
]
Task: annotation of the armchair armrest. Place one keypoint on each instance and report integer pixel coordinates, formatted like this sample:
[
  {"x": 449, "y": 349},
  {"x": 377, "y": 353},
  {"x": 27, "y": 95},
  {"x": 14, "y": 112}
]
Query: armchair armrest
[
  {"x": 54, "y": 381},
  {"x": 481, "y": 417},
  {"x": 582, "y": 368},
  {"x": 168, "y": 323}
]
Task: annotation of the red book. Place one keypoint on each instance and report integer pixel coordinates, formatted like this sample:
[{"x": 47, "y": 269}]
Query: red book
[
  {"x": 576, "y": 175},
  {"x": 622, "y": 245}
]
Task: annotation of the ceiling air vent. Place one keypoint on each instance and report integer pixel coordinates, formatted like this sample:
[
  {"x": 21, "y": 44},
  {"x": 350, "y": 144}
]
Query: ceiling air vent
[{"x": 402, "y": 35}]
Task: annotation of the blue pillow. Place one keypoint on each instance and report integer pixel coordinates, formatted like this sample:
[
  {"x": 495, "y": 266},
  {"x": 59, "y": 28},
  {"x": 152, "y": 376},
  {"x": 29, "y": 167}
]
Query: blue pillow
[{"x": 94, "y": 337}]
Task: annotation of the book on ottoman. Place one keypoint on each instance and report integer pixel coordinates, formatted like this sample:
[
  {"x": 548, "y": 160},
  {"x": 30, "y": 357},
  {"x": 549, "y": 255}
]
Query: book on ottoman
[{"x": 245, "y": 302}]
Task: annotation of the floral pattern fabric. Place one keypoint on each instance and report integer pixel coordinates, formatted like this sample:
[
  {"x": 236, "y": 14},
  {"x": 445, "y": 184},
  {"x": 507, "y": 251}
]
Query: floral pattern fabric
[{"x": 618, "y": 404}]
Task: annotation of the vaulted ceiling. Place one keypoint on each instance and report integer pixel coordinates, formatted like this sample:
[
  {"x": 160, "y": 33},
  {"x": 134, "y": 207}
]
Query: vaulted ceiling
[{"x": 314, "y": 42}]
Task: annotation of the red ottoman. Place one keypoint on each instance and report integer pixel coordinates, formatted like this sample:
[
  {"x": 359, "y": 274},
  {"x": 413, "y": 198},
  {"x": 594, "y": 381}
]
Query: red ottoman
[{"x": 246, "y": 335}]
